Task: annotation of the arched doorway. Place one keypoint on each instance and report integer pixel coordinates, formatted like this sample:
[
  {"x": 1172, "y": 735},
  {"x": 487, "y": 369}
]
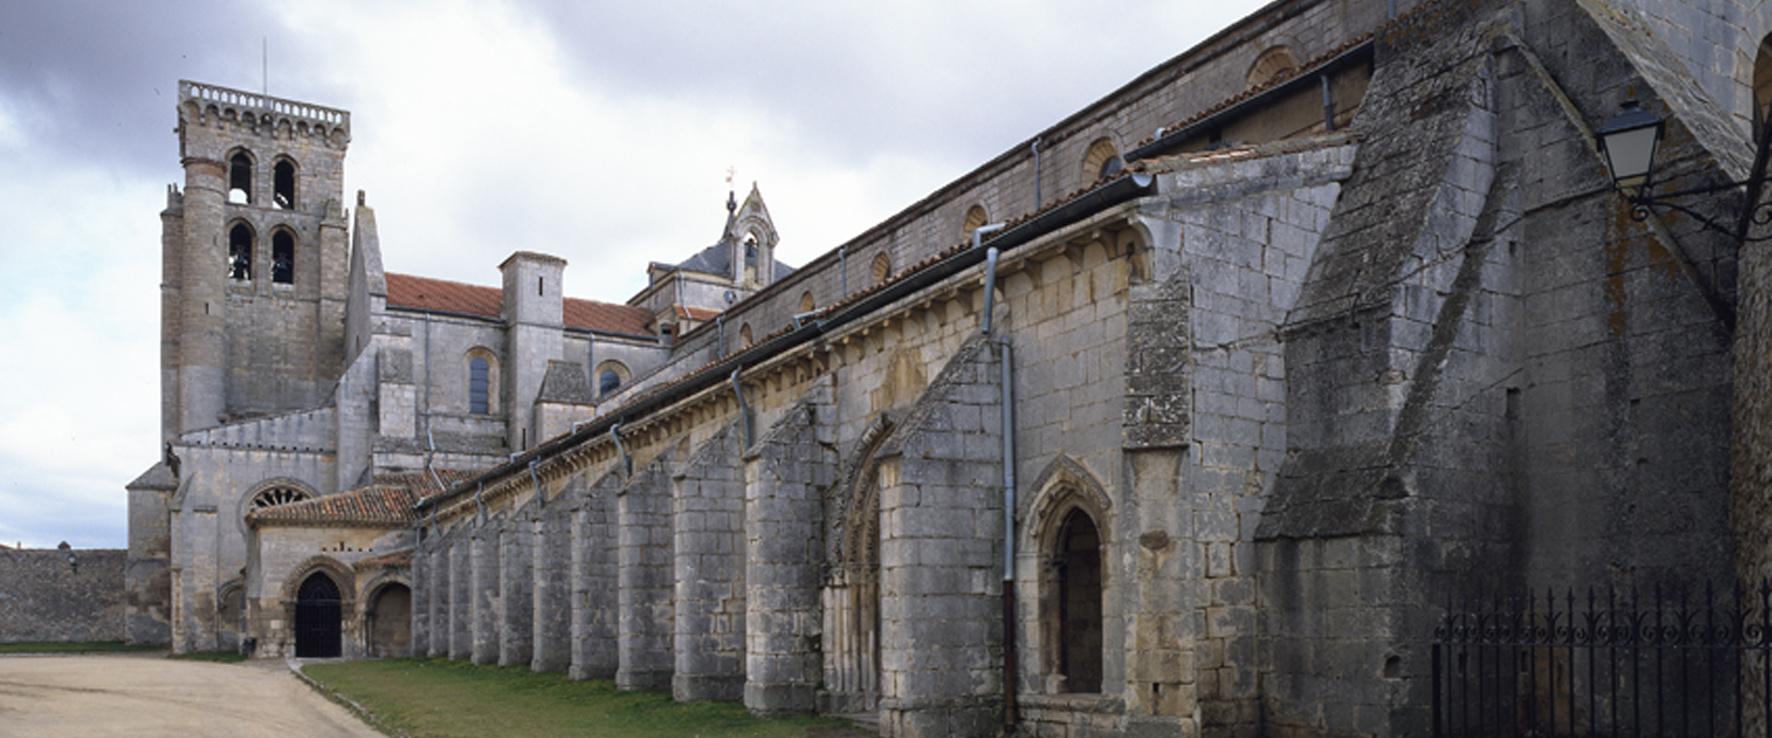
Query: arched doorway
[
  {"x": 852, "y": 592},
  {"x": 1077, "y": 570},
  {"x": 317, "y": 618},
  {"x": 390, "y": 621}
]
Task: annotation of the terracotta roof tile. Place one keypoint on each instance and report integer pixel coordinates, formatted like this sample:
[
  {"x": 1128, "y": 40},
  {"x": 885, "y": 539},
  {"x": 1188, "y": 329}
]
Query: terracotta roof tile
[
  {"x": 386, "y": 502},
  {"x": 397, "y": 560},
  {"x": 425, "y": 293},
  {"x": 1230, "y": 102},
  {"x": 696, "y": 313}
]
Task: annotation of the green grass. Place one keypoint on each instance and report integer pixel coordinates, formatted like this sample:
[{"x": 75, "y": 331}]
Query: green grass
[
  {"x": 220, "y": 657},
  {"x": 76, "y": 647},
  {"x": 436, "y": 697}
]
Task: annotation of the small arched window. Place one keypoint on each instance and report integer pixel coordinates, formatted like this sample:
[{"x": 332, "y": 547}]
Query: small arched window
[
  {"x": 806, "y": 302},
  {"x": 283, "y": 256},
  {"x": 1101, "y": 160},
  {"x": 744, "y": 336},
  {"x": 283, "y": 185},
  {"x": 240, "y": 240},
  {"x": 975, "y": 217},
  {"x": 240, "y": 178},
  {"x": 1274, "y": 65},
  {"x": 882, "y": 268},
  {"x": 611, "y": 375}
]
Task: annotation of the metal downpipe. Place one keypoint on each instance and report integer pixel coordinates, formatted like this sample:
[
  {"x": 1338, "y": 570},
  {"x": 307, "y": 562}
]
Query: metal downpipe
[
  {"x": 1006, "y": 360},
  {"x": 744, "y": 412},
  {"x": 627, "y": 462}
]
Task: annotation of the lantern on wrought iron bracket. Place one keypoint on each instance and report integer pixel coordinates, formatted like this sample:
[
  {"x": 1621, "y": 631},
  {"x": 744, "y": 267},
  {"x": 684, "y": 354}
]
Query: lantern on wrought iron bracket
[{"x": 1629, "y": 142}]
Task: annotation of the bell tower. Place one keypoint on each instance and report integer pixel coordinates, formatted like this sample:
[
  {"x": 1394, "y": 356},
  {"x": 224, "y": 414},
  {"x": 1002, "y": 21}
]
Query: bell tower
[{"x": 254, "y": 258}]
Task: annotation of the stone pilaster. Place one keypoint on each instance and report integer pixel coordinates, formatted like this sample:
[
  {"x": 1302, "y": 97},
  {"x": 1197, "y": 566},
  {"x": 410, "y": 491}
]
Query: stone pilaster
[
  {"x": 485, "y": 604},
  {"x": 421, "y": 597},
  {"x": 438, "y": 583},
  {"x": 645, "y": 611},
  {"x": 516, "y": 630},
  {"x": 461, "y": 596},
  {"x": 594, "y": 581},
  {"x": 551, "y": 611},
  {"x": 941, "y": 629},
  {"x": 708, "y": 500},
  {"x": 785, "y": 475}
]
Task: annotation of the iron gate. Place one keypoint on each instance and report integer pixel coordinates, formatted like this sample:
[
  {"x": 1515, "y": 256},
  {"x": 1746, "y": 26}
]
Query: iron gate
[
  {"x": 1608, "y": 664},
  {"x": 317, "y": 618}
]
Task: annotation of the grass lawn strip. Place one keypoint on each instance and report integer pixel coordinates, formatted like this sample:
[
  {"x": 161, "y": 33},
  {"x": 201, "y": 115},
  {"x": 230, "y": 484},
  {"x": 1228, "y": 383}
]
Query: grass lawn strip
[{"x": 439, "y": 698}]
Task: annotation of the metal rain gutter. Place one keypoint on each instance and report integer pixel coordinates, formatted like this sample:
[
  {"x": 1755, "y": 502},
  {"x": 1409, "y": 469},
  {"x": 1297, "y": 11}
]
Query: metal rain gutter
[
  {"x": 1167, "y": 141},
  {"x": 1129, "y": 187}
]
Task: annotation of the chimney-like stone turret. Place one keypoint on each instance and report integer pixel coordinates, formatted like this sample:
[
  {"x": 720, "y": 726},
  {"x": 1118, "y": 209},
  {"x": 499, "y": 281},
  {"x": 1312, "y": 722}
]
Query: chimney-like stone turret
[{"x": 533, "y": 302}]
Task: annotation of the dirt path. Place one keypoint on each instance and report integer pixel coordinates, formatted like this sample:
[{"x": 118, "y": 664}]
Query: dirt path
[{"x": 148, "y": 695}]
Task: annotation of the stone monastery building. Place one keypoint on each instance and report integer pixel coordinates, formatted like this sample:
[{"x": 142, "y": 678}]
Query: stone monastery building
[{"x": 1183, "y": 417}]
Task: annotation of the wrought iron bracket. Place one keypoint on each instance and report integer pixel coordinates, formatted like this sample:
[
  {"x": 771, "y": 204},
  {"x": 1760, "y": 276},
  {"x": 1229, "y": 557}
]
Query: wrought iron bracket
[{"x": 1644, "y": 204}]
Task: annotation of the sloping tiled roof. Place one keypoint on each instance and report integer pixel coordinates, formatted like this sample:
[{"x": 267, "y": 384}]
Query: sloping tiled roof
[
  {"x": 696, "y": 313},
  {"x": 591, "y": 315},
  {"x": 425, "y": 293},
  {"x": 397, "y": 560},
  {"x": 385, "y": 503}
]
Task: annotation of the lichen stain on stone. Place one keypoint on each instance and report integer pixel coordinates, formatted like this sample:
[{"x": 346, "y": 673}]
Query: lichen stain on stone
[
  {"x": 905, "y": 379},
  {"x": 1661, "y": 258},
  {"x": 1617, "y": 251}
]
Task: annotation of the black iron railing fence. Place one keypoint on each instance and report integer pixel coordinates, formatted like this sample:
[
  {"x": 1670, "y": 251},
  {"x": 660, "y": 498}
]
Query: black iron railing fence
[{"x": 1608, "y": 663}]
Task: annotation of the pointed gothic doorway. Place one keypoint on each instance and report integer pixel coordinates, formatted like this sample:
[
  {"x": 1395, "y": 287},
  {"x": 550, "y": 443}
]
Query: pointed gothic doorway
[{"x": 317, "y": 618}]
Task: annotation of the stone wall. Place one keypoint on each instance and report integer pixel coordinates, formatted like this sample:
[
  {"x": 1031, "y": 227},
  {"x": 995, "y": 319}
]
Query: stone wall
[{"x": 44, "y": 598}]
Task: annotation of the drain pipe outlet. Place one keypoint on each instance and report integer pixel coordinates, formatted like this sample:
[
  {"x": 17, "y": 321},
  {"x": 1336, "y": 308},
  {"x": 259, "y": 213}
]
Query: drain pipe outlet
[
  {"x": 744, "y": 413},
  {"x": 627, "y": 462},
  {"x": 990, "y": 290},
  {"x": 541, "y": 496},
  {"x": 431, "y": 440}
]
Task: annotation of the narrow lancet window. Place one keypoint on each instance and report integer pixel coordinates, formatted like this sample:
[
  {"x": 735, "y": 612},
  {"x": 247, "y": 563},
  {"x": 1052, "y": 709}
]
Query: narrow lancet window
[
  {"x": 283, "y": 185},
  {"x": 240, "y": 178},
  {"x": 479, "y": 385}
]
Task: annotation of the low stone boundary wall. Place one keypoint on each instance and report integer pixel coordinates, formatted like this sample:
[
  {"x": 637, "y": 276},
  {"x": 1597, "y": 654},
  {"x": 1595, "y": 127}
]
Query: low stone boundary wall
[{"x": 44, "y": 598}]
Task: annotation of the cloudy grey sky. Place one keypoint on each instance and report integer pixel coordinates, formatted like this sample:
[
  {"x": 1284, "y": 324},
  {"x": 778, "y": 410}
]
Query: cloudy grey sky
[{"x": 597, "y": 131}]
